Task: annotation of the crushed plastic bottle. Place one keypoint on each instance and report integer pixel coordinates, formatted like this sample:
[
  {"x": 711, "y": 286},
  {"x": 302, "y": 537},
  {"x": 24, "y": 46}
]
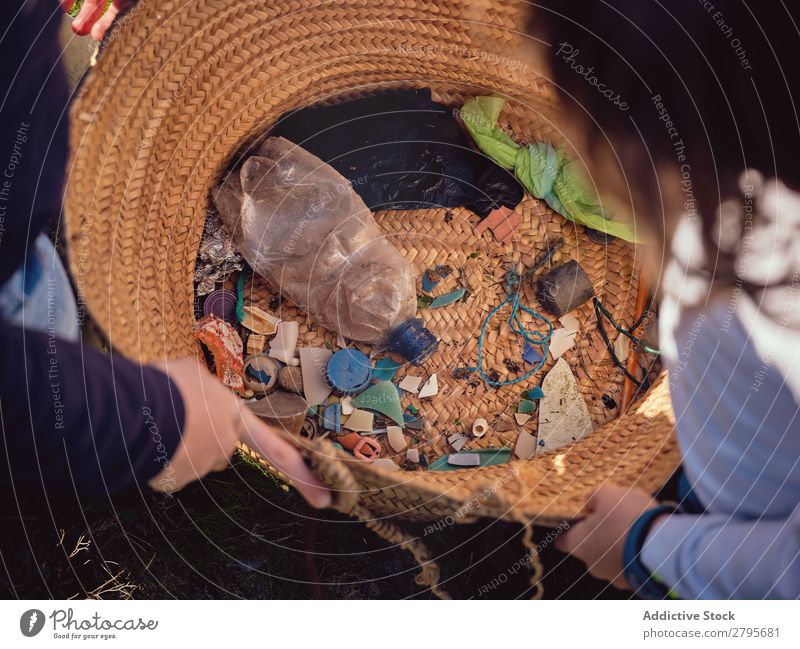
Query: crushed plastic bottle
[{"x": 300, "y": 225}]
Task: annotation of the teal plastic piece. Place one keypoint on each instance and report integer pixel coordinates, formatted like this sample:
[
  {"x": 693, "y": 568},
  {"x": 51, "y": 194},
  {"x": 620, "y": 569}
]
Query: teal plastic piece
[
  {"x": 384, "y": 398},
  {"x": 526, "y": 406},
  {"x": 448, "y": 298},
  {"x": 488, "y": 457},
  {"x": 534, "y": 394},
  {"x": 385, "y": 369}
]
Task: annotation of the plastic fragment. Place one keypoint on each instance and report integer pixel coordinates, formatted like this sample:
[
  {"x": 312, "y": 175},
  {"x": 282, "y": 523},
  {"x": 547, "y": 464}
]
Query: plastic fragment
[
  {"x": 396, "y": 438},
  {"x": 259, "y": 321},
  {"x": 479, "y": 427},
  {"x": 332, "y": 418},
  {"x": 522, "y": 418},
  {"x": 360, "y": 421},
  {"x": 448, "y": 298},
  {"x": 412, "y": 455},
  {"x": 431, "y": 387},
  {"x": 283, "y": 345},
  {"x": 385, "y": 369},
  {"x": 525, "y": 446},
  {"x": 411, "y": 384},
  {"x": 226, "y": 348},
  {"x": 526, "y": 406},
  {"x": 347, "y": 405},
  {"x": 464, "y": 459},
  {"x": 314, "y": 364},
  {"x": 382, "y": 397},
  {"x": 531, "y": 355},
  {"x": 560, "y": 342},
  {"x": 534, "y": 393},
  {"x": 386, "y": 463},
  {"x": 569, "y": 322}
]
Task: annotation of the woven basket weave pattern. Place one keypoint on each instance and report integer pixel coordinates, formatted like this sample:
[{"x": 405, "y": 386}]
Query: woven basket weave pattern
[{"x": 183, "y": 87}]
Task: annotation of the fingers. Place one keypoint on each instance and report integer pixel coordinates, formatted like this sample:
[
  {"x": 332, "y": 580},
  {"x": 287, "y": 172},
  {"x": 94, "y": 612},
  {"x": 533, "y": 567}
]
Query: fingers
[
  {"x": 90, "y": 11},
  {"x": 260, "y": 437},
  {"x": 66, "y": 5},
  {"x": 100, "y": 28},
  {"x": 94, "y": 18}
]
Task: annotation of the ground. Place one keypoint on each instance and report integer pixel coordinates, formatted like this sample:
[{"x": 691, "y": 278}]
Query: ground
[{"x": 240, "y": 533}]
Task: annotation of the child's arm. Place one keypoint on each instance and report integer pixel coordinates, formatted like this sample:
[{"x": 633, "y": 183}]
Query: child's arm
[{"x": 714, "y": 556}]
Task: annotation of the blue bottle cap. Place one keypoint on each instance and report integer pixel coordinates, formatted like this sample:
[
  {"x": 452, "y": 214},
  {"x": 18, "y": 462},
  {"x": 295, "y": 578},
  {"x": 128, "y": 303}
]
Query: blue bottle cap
[
  {"x": 349, "y": 371},
  {"x": 413, "y": 341}
]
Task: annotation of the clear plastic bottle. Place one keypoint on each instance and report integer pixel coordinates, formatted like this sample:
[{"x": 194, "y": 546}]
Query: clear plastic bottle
[{"x": 301, "y": 226}]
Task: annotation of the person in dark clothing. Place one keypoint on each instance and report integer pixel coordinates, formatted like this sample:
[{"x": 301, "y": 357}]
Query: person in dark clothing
[{"x": 76, "y": 422}]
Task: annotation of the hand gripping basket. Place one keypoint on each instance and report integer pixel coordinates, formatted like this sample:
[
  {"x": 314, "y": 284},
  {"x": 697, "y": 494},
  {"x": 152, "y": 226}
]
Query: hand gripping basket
[{"x": 183, "y": 85}]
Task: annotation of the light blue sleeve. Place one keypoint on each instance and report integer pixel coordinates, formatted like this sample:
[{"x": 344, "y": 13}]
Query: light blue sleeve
[{"x": 715, "y": 556}]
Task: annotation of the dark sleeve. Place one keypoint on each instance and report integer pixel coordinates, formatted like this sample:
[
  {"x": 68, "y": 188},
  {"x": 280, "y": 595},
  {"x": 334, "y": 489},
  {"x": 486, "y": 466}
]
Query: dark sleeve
[{"x": 77, "y": 420}]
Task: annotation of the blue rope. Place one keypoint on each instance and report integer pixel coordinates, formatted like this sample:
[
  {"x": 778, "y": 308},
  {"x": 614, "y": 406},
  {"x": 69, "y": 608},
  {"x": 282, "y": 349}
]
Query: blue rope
[{"x": 514, "y": 289}]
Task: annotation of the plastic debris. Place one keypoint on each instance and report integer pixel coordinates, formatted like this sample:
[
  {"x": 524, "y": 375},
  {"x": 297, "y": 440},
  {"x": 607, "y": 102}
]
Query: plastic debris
[
  {"x": 570, "y": 322},
  {"x": 412, "y": 455},
  {"x": 502, "y": 222},
  {"x": 503, "y": 426},
  {"x": 338, "y": 266},
  {"x": 414, "y": 423},
  {"x": 431, "y": 387},
  {"x": 464, "y": 459},
  {"x": 563, "y": 415},
  {"x": 531, "y": 355},
  {"x": 368, "y": 449},
  {"x": 386, "y": 463},
  {"x": 217, "y": 257},
  {"x": 255, "y": 343},
  {"x": 314, "y": 366},
  {"x": 349, "y": 440},
  {"x": 526, "y": 406},
  {"x": 534, "y": 393},
  {"x": 221, "y": 303},
  {"x": 522, "y": 418},
  {"x": 396, "y": 438},
  {"x": 411, "y": 384},
  {"x": 332, "y": 417},
  {"x": 261, "y": 373},
  {"x": 360, "y": 421},
  {"x": 382, "y": 397},
  {"x": 259, "y": 321},
  {"x": 621, "y": 347},
  {"x": 282, "y": 410},
  {"x": 385, "y": 369},
  {"x": 226, "y": 348},
  {"x": 560, "y": 342},
  {"x": 486, "y": 457},
  {"x": 347, "y": 405},
  {"x": 349, "y": 371},
  {"x": 448, "y": 298},
  {"x": 283, "y": 345},
  {"x": 526, "y": 445},
  {"x": 479, "y": 427}
]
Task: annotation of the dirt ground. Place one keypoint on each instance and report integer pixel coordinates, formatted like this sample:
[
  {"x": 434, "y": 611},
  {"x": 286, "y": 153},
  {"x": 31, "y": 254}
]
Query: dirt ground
[{"x": 242, "y": 534}]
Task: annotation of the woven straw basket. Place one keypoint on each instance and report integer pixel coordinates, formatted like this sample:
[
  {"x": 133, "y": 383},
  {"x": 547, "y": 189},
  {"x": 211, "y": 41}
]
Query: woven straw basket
[{"x": 183, "y": 85}]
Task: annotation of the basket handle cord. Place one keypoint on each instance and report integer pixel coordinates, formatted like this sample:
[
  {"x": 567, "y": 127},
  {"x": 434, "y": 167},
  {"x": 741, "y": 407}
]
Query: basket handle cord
[{"x": 321, "y": 457}]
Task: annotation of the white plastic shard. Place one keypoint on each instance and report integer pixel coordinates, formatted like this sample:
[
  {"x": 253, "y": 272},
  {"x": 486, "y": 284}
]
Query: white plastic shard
[
  {"x": 563, "y": 415},
  {"x": 410, "y": 384},
  {"x": 360, "y": 421},
  {"x": 570, "y": 323},
  {"x": 386, "y": 463},
  {"x": 431, "y": 387},
  {"x": 561, "y": 341},
  {"x": 464, "y": 459},
  {"x": 283, "y": 345},
  {"x": 522, "y": 418},
  {"x": 525, "y": 446},
  {"x": 458, "y": 441},
  {"x": 314, "y": 363},
  {"x": 412, "y": 455},
  {"x": 396, "y": 438},
  {"x": 621, "y": 347},
  {"x": 347, "y": 405}
]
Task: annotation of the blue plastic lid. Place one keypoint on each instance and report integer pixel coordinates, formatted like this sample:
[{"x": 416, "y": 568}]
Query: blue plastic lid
[{"x": 349, "y": 371}]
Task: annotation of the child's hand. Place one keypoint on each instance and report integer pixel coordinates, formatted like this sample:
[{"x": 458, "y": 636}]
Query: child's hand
[
  {"x": 599, "y": 538},
  {"x": 94, "y": 16},
  {"x": 215, "y": 421}
]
